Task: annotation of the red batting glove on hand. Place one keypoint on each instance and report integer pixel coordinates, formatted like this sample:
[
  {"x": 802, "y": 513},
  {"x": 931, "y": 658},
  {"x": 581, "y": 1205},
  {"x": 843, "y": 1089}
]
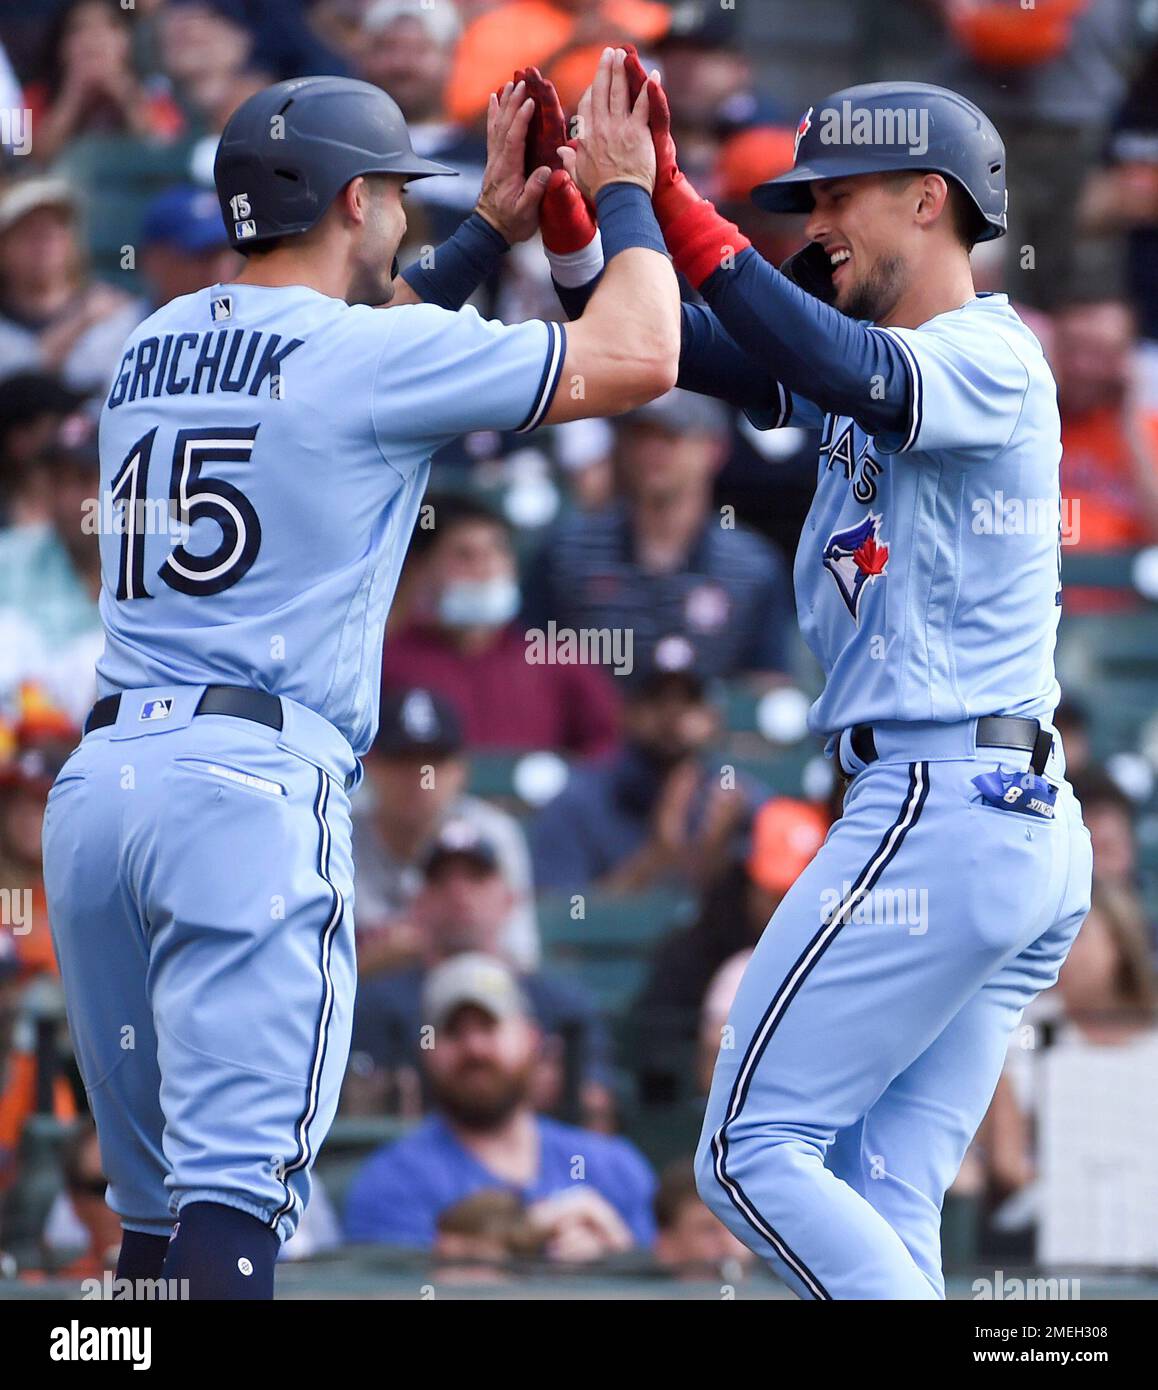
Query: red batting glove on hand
[
  {"x": 566, "y": 221},
  {"x": 699, "y": 239}
]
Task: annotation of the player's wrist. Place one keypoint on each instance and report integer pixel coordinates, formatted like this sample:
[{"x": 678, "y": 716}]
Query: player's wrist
[
  {"x": 627, "y": 219},
  {"x": 494, "y": 223},
  {"x": 702, "y": 241}
]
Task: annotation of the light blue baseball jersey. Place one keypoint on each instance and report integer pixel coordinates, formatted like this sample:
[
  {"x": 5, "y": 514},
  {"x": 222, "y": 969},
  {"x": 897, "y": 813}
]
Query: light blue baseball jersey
[
  {"x": 927, "y": 573},
  {"x": 273, "y": 445}
]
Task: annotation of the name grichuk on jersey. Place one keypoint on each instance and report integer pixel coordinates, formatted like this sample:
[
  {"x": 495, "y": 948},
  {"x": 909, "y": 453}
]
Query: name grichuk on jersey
[
  {"x": 927, "y": 575},
  {"x": 271, "y": 447}
]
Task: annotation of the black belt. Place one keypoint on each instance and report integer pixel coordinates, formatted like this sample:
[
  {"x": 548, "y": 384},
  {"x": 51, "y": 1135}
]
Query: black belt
[
  {"x": 993, "y": 731},
  {"x": 237, "y": 700}
]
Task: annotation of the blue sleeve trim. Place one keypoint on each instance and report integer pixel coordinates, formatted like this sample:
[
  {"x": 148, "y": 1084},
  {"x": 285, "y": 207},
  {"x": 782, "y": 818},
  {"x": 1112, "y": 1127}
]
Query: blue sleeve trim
[{"x": 550, "y": 378}]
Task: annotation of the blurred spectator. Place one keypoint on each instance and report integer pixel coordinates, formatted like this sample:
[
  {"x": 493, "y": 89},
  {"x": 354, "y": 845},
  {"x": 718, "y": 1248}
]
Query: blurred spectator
[
  {"x": 47, "y": 302},
  {"x": 464, "y": 642},
  {"x": 714, "y": 1011},
  {"x": 1050, "y": 77},
  {"x": 207, "y": 50},
  {"x": 31, "y": 755},
  {"x": 658, "y": 812},
  {"x": 407, "y": 51},
  {"x": 785, "y": 835},
  {"x": 90, "y": 85},
  {"x": 1109, "y": 440},
  {"x": 563, "y": 37},
  {"x": 25, "y": 1088},
  {"x": 33, "y": 406},
  {"x": 1107, "y": 996},
  {"x": 1109, "y": 816},
  {"x": 81, "y": 1206},
  {"x": 183, "y": 248},
  {"x": 464, "y": 907},
  {"x": 1072, "y": 721},
  {"x": 663, "y": 560},
  {"x": 417, "y": 774},
  {"x": 485, "y": 1133},
  {"x": 1123, "y": 197},
  {"x": 477, "y": 1237},
  {"x": 183, "y": 245},
  {"x": 50, "y": 574},
  {"x": 692, "y": 1243}
]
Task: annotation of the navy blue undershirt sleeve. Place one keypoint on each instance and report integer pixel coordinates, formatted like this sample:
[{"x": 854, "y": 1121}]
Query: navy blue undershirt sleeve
[{"x": 814, "y": 350}]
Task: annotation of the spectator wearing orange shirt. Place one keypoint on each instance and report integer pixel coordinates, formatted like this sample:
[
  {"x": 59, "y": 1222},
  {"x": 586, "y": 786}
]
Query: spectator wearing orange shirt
[
  {"x": 1109, "y": 467},
  {"x": 563, "y": 37}
]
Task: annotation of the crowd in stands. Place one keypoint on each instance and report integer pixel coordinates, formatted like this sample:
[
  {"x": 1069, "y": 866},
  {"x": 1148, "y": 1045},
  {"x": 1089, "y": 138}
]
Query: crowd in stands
[{"x": 562, "y": 864}]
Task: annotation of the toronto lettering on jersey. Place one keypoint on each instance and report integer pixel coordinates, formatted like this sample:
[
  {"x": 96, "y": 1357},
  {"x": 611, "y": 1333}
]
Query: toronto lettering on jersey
[{"x": 196, "y": 364}]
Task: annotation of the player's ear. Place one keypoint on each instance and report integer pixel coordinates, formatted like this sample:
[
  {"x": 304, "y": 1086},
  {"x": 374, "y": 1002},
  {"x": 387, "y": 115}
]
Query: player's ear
[{"x": 932, "y": 198}]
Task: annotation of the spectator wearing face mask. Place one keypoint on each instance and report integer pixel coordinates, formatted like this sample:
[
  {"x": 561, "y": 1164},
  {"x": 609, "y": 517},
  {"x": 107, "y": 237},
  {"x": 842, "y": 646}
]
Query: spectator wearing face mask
[{"x": 463, "y": 642}]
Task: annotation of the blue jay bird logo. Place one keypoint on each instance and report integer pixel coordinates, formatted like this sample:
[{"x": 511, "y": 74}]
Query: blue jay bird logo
[{"x": 854, "y": 557}]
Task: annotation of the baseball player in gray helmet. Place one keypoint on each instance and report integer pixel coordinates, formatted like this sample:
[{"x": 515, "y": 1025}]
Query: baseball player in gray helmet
[
  {"x": 197, "y": 852},
  {"x": 869, "y": 1031}
]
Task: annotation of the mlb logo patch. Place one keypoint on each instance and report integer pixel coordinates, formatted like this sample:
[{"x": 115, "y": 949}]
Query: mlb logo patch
[
  {"x": 244, "y": 230},
  {"x": 855, "y": 557},
  {"x": 221, "y": 307},
  {"x": 155, "y": 709}
]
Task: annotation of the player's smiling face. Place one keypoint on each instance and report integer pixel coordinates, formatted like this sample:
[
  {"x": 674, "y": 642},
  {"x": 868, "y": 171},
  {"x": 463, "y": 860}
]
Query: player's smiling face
[{"x": 863, "y": 222}]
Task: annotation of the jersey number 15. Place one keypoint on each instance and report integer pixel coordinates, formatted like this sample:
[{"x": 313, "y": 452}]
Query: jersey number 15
[{"x": 192, "y": 497}]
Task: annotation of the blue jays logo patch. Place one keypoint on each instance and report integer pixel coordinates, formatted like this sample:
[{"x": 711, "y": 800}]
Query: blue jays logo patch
[
  {"x": 854, "y": 557},
  {"x": 801, "y": 131}
]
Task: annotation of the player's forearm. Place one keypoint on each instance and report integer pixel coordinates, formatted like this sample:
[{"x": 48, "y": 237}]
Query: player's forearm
[
  {"x": 624, "y": 350},
  {"x": 810, "y": 347},
  {"x": 713, "y": 364},
  {"x": 451, "y": 273}
]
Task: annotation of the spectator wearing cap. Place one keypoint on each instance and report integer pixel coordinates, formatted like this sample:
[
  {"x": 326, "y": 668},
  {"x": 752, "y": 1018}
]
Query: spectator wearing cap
[
  {"x": 208, "y": 51},
  {"x": 658, "y": 813},
  {"x": 417, "y": 774},
  {"x": 1109, "y": 471},
  {"x": 785, "y": 835},
  {"x": 90, "y": 85},
  {"x": 33, "y": 406},
  {"x": 183, "y": 248},
  {"x": 463, "y": 907},
  {"x": 485, "y": 1133},
  {"x": 47, "y": 301},
  {"x": 407, "y": 50},
  {"x": 663, "y": 560},
  {"x": 464, "y": 641}
]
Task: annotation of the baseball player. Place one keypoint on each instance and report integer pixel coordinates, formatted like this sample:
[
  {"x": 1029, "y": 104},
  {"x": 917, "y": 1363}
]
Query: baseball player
[
  {"x": 197, "y": 843},
  {"x": 869, "y": 1031}
]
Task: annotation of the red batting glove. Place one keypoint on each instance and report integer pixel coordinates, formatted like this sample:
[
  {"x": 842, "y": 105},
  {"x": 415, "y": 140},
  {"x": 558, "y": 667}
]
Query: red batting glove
[
  {"x": 699, "y": 239},
  {"x": 566, "y": 221}
]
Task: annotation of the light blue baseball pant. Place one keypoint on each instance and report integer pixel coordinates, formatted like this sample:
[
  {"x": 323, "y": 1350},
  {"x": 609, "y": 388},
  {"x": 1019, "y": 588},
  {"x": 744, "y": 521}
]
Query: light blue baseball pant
[
  {"x": 200, "y": 890},
  {"x": 870, "y": 1028}
]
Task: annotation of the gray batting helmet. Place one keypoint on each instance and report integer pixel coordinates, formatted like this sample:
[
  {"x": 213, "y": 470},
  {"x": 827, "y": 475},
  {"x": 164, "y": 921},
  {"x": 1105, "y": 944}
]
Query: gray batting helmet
[
  {"x": 886, "y": 126},
  {"x": 287, "y": 151}
]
